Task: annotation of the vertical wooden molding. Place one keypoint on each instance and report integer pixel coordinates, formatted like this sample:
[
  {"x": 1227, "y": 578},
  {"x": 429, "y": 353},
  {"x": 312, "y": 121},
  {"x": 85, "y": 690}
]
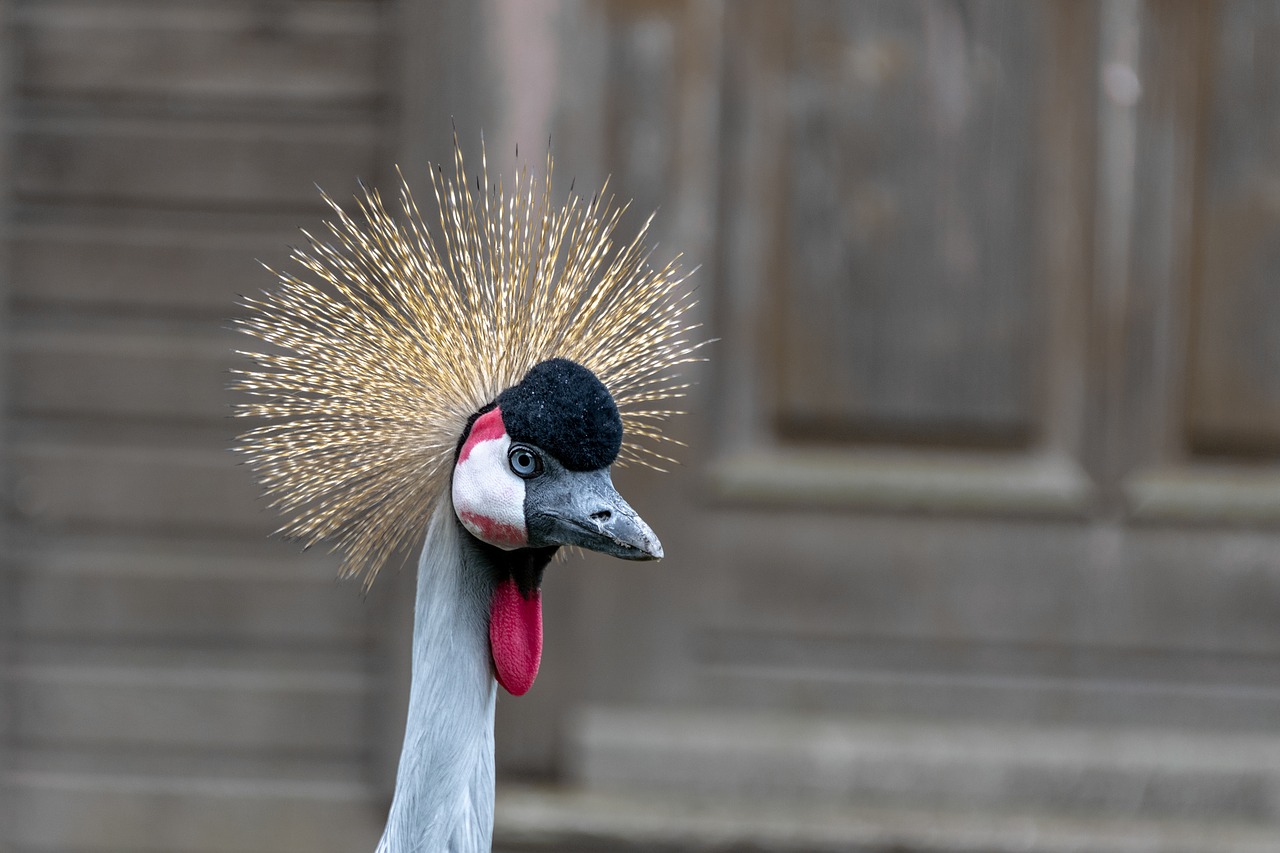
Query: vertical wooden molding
[
  {"x": 1188, "y": 31},
  {"x": 1119, "y": 45},
  {"x": 8, "y": 591},
  {"x": 1151, "y": 314},
  {"x": 1068, "y": 128},
  {"x": 754, "y": 133}
]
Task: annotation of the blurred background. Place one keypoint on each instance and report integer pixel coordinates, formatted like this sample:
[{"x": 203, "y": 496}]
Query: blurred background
[{"x": 976, "y": 542}]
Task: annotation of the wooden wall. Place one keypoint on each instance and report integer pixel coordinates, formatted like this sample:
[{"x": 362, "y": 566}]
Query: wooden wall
[
  {"x": 182, "y": 683},
  {"x": 990, "y": 437}
]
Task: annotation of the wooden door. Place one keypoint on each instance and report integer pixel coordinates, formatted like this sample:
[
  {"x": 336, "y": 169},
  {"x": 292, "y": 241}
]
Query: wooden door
[{"x": 988, "y": 435}]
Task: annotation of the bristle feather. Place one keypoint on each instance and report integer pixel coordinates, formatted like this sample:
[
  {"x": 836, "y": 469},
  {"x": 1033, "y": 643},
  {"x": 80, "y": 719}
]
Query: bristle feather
[{"x": 394, "y": 332}]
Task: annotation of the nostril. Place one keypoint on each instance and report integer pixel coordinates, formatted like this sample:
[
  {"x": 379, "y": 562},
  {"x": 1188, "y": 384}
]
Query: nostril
[{"x": 602, "y": 515}]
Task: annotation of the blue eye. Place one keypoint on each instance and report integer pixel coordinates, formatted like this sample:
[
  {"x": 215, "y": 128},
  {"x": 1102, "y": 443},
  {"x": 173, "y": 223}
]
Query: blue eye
[{"x": 524, "y": 461}]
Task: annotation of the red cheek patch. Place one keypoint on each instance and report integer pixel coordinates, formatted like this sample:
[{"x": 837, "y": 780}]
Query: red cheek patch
[
  {"x": 487, "y": 427},
  {"x": 515, "y": 636},
  {"x": 492, "y": 531}
]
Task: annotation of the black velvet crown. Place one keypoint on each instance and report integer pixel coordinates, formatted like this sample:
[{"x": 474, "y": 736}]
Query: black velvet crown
[{"x": 562, "y": 407}]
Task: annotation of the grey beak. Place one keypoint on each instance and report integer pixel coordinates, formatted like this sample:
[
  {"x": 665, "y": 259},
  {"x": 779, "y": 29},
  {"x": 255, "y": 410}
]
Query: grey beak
[{"x": 583, "y": 508}]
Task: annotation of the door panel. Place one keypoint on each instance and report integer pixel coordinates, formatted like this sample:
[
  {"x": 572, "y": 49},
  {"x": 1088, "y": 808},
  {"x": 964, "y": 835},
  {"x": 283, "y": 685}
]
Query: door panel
[
  {"x": 904, "y": 327},
  {"x": 906, "y": 223},
  {"x": 1234, "y": 405}
]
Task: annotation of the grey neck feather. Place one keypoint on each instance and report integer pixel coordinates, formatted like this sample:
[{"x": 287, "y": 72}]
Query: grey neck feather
[{"x": 445, "y": 787}]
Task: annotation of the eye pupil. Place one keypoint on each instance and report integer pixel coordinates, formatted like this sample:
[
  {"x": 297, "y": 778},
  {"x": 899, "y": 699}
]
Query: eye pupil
[{"x": 525, "y": 462}]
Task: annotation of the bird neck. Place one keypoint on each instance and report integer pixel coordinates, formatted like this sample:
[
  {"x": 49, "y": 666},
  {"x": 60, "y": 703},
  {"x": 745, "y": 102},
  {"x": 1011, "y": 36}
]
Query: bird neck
[{"x": 445, "y": 783}]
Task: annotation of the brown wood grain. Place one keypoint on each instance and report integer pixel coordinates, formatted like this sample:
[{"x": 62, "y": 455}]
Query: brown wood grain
[
  {"x": 126, "y": 373},
  {"x": 1234, "y": 373},
  {"x": 191, "y": 708},
  {"x": 149, "y": 264},
  {"x": 192, "y": 163},
  {"x": 86, "y": 486},
  {"x": 178, "y": 670},
  {"x": 907, "y": 299},
  {"x": 96, "y": 813},
  {"x": 113, "y": 601},
  {"x": 293, "y": 54}
]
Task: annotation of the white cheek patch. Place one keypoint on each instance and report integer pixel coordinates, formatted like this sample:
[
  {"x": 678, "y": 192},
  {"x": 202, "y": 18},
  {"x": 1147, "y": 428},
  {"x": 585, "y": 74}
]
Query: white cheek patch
[{"x": 488, "y": 497}]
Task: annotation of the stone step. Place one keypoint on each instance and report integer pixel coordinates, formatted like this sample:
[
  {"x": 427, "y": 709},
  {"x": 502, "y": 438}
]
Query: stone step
[
  {"x": 1093, "y": 772},
  {"x": 534, "y": 820}
]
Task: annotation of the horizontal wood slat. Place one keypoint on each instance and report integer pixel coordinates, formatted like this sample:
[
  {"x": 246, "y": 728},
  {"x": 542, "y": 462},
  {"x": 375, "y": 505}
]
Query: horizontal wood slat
[
  {"x": 191, "y": 162},
  {"x": 191, "y": 708},
  {"x": 124, "y": 374},
  {"x": 129, "y": 760},
  {"x": 318, "y": 53},
  {"x": 147, "y": 265},
  {"x": 179, "y": 560},
  {"x": 184, "y": 610},
  {"x": 138, "y": 488},
  {"x": 106, "y": 814},
  {"x": 129, "y": 655}
]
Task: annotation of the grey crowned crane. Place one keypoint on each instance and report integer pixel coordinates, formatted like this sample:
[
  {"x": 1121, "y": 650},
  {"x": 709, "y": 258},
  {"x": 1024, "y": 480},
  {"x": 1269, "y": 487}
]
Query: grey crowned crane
[{"x": 471, "y": 383}]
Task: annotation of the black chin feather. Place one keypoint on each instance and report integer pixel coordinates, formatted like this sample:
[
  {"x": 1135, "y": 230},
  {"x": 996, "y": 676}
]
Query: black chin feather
[{"x": 523, "y": 565}]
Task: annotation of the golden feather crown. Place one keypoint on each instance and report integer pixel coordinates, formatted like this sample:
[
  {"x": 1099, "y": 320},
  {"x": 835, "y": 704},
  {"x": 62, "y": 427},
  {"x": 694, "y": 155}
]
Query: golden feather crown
[{"x": 393, "y": 333}]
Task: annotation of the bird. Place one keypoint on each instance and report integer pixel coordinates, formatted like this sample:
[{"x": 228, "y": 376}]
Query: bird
[{"x": 468, "y": 382}]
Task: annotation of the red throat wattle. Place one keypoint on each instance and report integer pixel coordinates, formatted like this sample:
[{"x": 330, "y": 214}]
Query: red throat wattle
[{"x": 515, "y": 636}]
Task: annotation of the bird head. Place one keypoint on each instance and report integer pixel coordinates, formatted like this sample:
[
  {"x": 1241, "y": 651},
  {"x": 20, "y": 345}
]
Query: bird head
[
  {"x": 532, "y": 474},
  {"x": 532, "y": 470},
  {"x": 493, "y": 361}
]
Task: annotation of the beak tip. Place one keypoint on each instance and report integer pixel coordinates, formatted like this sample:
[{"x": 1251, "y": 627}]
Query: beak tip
[
  {"x": 647, "y": 541},
  {"x": 641, "y": 545}
]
